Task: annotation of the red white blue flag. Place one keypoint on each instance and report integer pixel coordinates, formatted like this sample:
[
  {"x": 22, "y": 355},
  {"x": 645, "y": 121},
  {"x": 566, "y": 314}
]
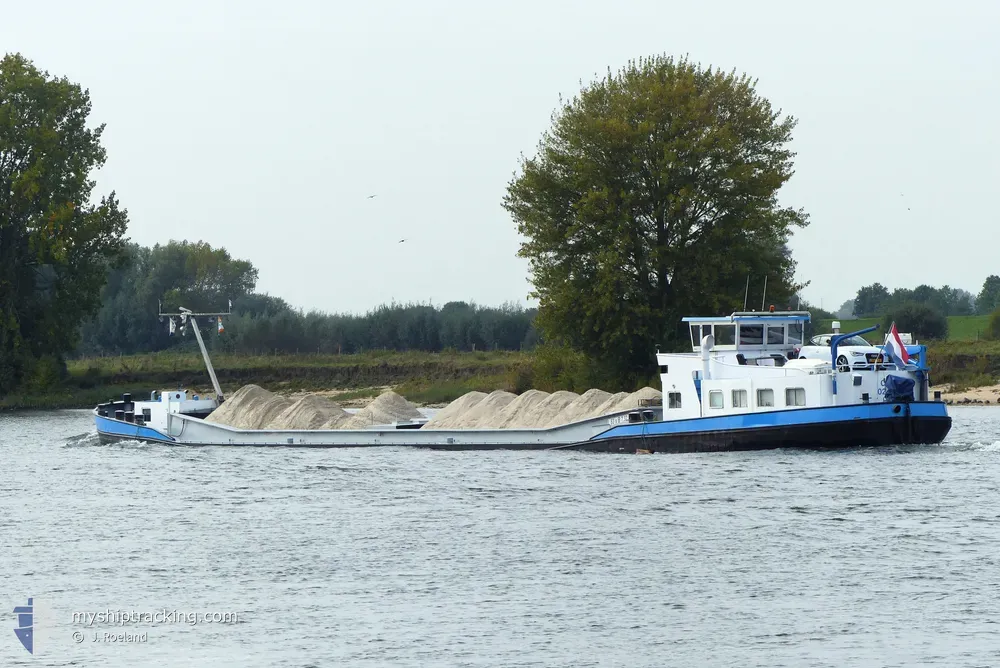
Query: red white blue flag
[{"x": 894, "y": 347}]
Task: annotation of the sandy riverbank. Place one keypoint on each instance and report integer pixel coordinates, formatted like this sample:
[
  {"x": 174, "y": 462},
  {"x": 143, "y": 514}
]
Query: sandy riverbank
[{"x": 979, "y": 396}]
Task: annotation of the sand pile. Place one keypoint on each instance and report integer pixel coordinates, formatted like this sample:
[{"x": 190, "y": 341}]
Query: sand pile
[
  {"x": 512, "y": 414},
  {"x": 609, "y": 404},
  {"x": 253, "y": 407},
  {"x": 445, "y": 418},
  {"x": 581, "y": 408},
  {"x": 335, "y": 421},
  {"x": 309, "y": 412},
  {"x": 548, "y": 409},
  {"x": 632, "y": 401},
  {"x": 260, "y": 414},
  {"x": 483, "y": 413},
  {"x": 387, "y": 408},
  {"x": 250, "y": 407},
  {"x": 230, "y": 407}
]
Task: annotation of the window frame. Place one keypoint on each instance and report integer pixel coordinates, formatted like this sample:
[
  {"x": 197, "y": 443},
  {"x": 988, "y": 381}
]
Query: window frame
[
  {"x": 779, "y": 329},
  {"x": 753, "y": 328},
  {"x": 745, "y": 399},
  {"x": 765, "y": 389},
  {"x": 725, "y": 335},
  {"x": 722, "y": 400},
  {"x": 673, "y": 397},
  {"x": 795, "y": 390}
]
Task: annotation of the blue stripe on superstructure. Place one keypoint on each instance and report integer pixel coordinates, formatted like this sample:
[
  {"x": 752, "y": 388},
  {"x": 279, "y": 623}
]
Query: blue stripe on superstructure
[
  {"x": 128, "y": 429},
  {"x": 792, "y": 417}
]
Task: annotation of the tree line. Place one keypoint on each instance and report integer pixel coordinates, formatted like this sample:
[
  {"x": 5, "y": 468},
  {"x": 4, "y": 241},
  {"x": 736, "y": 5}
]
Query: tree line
[
  {"x": 201, "y": 278},
  {"x": 876, "y": 300}
]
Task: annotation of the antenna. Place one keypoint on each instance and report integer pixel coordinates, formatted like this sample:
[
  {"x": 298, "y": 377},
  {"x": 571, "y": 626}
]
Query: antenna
[
  {"x": 763, "y": 296},
  {"x": 746, "y": 294}
]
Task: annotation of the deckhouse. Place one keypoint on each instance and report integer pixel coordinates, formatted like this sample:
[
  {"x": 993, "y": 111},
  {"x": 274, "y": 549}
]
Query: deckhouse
[{"x": 745, "y": 363}]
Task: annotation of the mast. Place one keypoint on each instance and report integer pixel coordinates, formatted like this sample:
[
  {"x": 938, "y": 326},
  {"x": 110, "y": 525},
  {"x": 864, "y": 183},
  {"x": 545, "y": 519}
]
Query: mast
[{"x": 186, "y": 314}]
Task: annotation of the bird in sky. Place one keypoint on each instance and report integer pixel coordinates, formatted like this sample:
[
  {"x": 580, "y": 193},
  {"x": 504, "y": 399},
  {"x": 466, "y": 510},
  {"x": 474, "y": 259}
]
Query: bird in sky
[
  {"x": 402, "y": 240},
  {"x": 372, "y": 196}
]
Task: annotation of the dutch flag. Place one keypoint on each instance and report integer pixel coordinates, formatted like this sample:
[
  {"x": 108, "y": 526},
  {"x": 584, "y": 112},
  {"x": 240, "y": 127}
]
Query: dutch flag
[{"x": 894, "y": 347}]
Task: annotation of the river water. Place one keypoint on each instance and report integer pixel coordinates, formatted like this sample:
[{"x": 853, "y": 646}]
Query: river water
[{"x": 254, "y": 557}]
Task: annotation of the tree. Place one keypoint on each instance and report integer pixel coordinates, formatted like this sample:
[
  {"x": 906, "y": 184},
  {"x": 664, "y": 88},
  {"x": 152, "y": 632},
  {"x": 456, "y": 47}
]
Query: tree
[
  {"x": 55, "y": 246},
  {"x": 846, "y": 310},
  {"x": 653, "y": 196},
  {"x": 193, "y": 275},
  {"x": 921, "y": 320},
  {"x": 993, "y": 328},
  {"x": 989, "y": 297},
  {"x": 871, "y": 300}
]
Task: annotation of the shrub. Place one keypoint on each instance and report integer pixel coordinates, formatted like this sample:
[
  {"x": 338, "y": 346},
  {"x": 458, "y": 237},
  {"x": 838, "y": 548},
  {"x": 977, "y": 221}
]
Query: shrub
[
  {"x": 921, "y": 320},
  {"x": 993, "y": 328}
]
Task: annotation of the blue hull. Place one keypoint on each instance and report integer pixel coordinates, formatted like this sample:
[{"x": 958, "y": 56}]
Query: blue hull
[
  {"x": 109, "y": 430},
  {"x": 881, "y": 424}
]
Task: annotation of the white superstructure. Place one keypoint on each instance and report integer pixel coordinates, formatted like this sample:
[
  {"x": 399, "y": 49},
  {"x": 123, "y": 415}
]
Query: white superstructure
[{"x": 745, "y": 363}]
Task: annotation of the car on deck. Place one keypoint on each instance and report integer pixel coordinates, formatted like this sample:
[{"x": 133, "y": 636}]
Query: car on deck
[{"x": 854, "y": 352}]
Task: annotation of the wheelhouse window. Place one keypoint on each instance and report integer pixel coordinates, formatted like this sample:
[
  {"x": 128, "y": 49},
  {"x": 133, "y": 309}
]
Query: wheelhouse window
[
  {"x": 765, "y": 398},
  {"x": 739, "y": 398},
  {"x": 794, "y": 333},
  {"x": 715, "y": 399},
  {"x": 673, "y": 400},
  {"x": 695, "y": 335},
  {"x": 725, "y": 335},
  {"x": 795, "y": 396},
  {"x": 751, "y": 335},
  {"x": 775, "y": 335}
]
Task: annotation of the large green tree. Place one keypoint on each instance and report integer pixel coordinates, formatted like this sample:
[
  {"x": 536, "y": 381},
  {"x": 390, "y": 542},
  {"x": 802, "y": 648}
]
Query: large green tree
[
  {"x": 179, "y": 273},
  {"x": 654, "y": 196},
  {"x": 55, "y": 245}
]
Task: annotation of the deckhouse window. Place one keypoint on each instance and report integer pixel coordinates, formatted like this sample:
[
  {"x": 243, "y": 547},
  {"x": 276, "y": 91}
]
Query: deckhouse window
[
  {"x": 715, "y": 399},
  {"x": 725, "y": 335},
  {"x": 794, "y": 333},
  {"x": 673, "y": 399},
  {"x": 739, "y": 398},
  {"x": 795, "y": 396},
  {"x": 765, "y": 398},
  {"x": 751, "y": 335},
  {"x": 775, "y": 335}
]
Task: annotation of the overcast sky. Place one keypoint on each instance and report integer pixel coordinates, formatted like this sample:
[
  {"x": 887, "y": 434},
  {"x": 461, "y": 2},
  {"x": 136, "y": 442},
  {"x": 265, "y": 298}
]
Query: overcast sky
[{"x": 264, "y": 127}]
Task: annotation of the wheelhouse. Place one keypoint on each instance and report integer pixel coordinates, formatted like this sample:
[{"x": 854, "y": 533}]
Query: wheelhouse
[{"x": 752, "y": 336}]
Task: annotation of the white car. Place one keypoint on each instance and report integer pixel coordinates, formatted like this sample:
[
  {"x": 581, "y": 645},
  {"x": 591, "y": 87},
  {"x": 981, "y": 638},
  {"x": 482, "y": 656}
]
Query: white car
[{"x": 852, "y": 353}]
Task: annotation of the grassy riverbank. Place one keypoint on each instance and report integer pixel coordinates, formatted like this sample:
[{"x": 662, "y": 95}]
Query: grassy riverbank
[
  {"x": 960, "y": 327},
  {"x": 424, "y": 377}
]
